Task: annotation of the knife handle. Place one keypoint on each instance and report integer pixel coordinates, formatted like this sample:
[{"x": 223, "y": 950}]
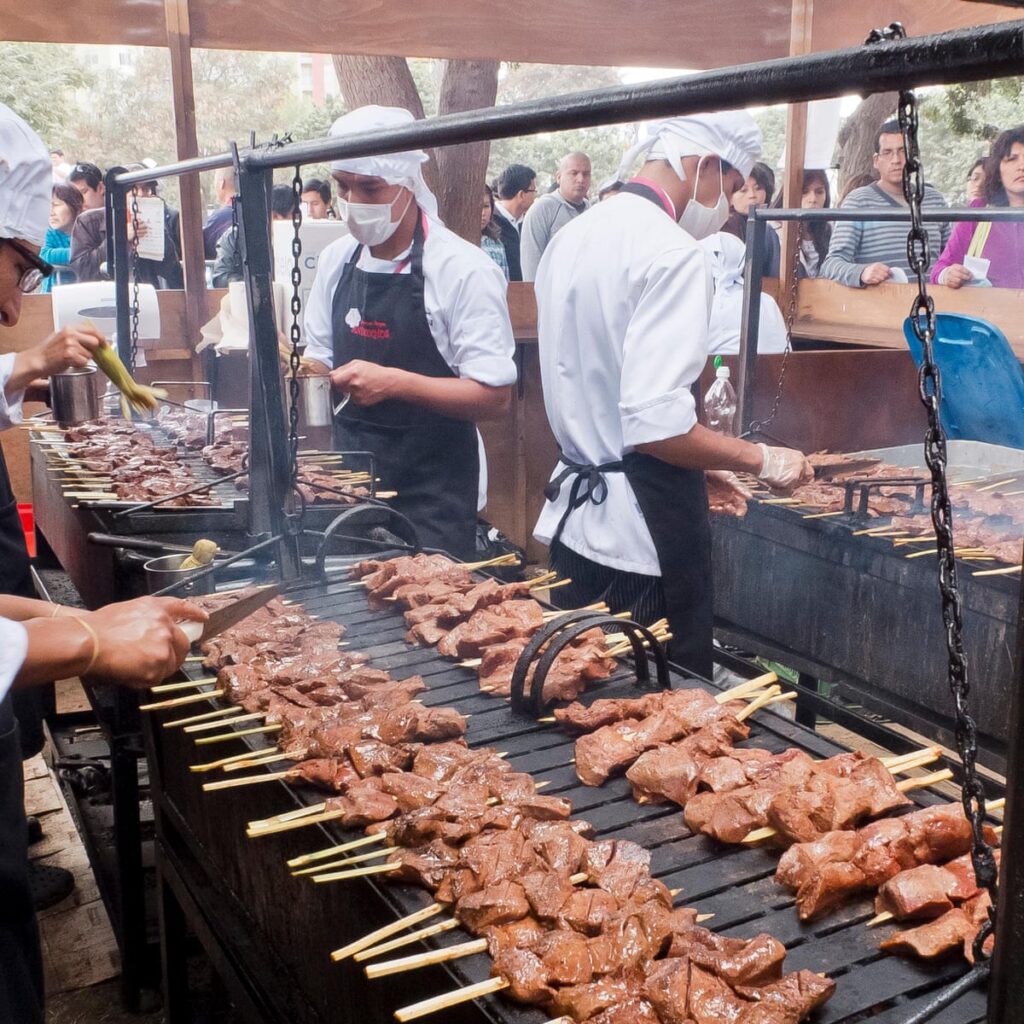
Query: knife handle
[{"x": 193, "y": 630}]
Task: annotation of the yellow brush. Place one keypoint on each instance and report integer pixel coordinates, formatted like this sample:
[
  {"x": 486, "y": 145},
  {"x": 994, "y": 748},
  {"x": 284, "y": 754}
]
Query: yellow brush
[
  {"x": 203, "y": 552},
  {"x": 138, "y": 397}
]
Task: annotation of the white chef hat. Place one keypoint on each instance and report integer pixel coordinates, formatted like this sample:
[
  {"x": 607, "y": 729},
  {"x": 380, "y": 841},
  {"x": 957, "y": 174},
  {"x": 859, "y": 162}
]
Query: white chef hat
[
  {"x": 404, "y": 169},
  {"x": 732, "y": 135},
  {"x": 26, "y": 180}
]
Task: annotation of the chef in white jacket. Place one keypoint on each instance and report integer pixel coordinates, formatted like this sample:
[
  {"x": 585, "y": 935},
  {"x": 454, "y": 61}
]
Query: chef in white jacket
[{"x": 623, "y": 303}]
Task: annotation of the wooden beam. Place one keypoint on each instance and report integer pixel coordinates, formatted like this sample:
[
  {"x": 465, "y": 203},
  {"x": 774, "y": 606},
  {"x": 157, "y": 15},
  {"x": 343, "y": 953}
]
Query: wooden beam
[
  {"x": 796, "y": 140},
  {"x": 179, "y": 45}
]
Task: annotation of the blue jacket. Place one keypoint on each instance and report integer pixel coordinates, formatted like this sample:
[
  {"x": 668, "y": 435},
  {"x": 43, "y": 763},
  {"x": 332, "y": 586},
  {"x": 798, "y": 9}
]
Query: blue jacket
[{"x": 56, "y": 250}]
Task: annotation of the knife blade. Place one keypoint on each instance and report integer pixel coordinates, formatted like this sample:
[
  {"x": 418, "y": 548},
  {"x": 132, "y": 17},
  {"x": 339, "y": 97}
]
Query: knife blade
[
  {"x": 230, "y": 614},
  {"x": 830, "y": 470}
]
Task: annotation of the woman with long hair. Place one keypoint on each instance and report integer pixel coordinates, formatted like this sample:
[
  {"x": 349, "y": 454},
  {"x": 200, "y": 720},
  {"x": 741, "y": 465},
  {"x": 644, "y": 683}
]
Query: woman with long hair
[
  {"x": 988, "y": 252},
  {"x": 490, "y": 233},
  {"x": 65, "y": 206},
  {"x": 815, "y": 235}
]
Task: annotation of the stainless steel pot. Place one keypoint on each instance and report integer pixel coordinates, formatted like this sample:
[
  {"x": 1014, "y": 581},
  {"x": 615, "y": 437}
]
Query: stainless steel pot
[
  {"x": 316, "y": 408},
  {"x": 163, "y": 571},
  {"x": 74, "y": 396}
]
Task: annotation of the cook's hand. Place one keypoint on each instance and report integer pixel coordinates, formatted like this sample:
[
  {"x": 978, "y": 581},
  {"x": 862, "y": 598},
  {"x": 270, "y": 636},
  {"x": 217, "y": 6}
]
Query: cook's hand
[
  {"x": 784, "y": 469},
  {"x": 955, "y": 276},
  {"x": 366, "y": 383},
  {"x": 139, "y": 643},
  {"x": 726, "y": 493},
  {"x": 69, "y": 347},
  {"x": 875, "y": 273}
]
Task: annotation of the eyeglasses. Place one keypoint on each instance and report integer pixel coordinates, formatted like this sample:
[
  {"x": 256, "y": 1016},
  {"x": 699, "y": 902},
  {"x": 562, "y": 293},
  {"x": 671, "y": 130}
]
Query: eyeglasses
[{"x": 32, "y": 277}]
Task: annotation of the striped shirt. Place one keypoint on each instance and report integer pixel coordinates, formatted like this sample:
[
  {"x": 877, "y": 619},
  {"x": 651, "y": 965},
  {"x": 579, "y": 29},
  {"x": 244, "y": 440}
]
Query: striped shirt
[{"x": 857, "y": 244}]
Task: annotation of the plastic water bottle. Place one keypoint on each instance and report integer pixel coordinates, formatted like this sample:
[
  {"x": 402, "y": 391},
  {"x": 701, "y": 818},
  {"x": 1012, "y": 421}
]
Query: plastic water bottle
[{"x": 720, "y": 401}]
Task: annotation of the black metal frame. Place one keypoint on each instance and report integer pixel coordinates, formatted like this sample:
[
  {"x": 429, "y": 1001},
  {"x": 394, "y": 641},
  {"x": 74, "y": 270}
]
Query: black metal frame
[{"x": 965, "y": 55}]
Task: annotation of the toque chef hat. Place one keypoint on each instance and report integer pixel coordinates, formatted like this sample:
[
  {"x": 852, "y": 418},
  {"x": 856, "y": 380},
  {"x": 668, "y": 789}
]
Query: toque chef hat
[
  {"x": 404, "y": 169},
  {"x": 732, "y": 135},
  {"x": 26, "y": 180}
]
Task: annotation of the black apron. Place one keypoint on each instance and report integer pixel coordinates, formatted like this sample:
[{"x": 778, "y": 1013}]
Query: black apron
[
  {"x": 21, "y": 971},
  {"x": 431, "y": 460},
  {"x": 674, "y": 504}
]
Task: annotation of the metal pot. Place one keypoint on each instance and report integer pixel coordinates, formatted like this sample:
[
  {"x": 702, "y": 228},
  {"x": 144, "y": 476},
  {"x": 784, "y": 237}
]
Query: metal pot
[
  {"x": 162, "y": 572},
  {"x": 74, "y": 397},
  {"x": 316, "y": 407}
]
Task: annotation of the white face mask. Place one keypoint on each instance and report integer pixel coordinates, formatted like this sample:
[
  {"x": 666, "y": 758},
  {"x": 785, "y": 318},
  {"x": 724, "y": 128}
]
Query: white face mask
[
  {"x": 371, "y": 223},
  {"x": 699, "y": 220}
]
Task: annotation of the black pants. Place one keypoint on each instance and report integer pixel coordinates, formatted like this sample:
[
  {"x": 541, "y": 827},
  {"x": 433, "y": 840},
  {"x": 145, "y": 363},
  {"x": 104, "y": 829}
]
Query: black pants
[{"x": 21, "y": 968}]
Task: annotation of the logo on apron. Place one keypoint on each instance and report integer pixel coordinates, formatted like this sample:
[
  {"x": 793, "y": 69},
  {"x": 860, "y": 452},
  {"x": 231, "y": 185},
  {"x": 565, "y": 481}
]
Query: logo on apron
[{"x": 377, "y": 329}]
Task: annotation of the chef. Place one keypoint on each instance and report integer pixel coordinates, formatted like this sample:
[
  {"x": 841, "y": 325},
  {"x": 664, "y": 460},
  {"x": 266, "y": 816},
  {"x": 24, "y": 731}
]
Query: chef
[
  {"x": 412, "y": 323},
  {"x": 623, "y": 298},
  {"x": 136, "y": 642}
]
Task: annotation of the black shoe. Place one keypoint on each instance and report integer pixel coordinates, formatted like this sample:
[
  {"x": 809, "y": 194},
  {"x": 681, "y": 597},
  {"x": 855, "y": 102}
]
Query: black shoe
[
  {"x": 35, "y": 830},
  {"x": 49, "y": 885}
]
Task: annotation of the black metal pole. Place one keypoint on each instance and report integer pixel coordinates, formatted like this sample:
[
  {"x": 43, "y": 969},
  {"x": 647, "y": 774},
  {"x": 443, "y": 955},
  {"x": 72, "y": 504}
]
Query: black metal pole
[
  {"x": 1006, "y": 985},
  {"x": 750, "y": 324},
  {"x": 269, "y": 474},
  {"x": 995, "y": 214},
  {"x": 117, "y": 261}
]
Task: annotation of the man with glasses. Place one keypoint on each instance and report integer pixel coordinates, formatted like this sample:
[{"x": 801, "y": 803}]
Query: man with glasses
[
  {"x": 867, "y": 253},
  {"x": 88, "y": 179}
]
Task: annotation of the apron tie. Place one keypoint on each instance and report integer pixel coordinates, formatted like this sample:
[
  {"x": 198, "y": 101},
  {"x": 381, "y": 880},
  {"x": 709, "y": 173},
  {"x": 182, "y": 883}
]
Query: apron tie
[{"x": 593, "y": 476}]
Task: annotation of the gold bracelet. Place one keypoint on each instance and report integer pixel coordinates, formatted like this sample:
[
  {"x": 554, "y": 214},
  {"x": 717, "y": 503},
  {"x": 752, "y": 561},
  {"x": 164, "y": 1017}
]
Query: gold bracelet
[{"x": 95, "y": 643}]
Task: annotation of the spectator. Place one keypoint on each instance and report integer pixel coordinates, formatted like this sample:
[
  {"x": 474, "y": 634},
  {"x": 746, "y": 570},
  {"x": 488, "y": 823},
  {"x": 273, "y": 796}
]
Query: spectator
[
  {"x": 863, "y": 254},
  {"x": 220, "y": 220},
  {"x": 516, "y": 189},
  {"x": 726, "y": 259},
  {"x": 554, "y": 210},
  {"x": 975, "y": 182},
  {"x": 815, "y": 236},
  {"x": 997, "y": 247},
  {"x": 757, "y": 190},
  {"x": 316, "y": 194},
  {"x": 167, "y": 272},
  {"x": 65, "y": 206},
  {"x": 609, "y": 188},
  {"x": 228, "y": 265},
  {"x": 88, "y": 179},
  {"x": 490, "y": 233},
  {"x": 61, "y": 168}
]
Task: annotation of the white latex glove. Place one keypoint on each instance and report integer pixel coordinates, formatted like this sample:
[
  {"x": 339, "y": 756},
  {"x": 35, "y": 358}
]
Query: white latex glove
[
  {"x": 726, "y": 494},
  {"x": 784, "y": 469}
]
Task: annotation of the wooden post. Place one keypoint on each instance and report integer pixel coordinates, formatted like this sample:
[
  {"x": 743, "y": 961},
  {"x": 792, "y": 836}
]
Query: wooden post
[
  {"x": 796, "y": 140},
  {"x": 179, "y": 44}
]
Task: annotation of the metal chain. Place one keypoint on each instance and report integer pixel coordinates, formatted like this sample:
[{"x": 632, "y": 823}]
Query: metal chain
[
  {"x": 133, "y": 263},
  {"x": 922, "y": 319},
  {"x": 294, "y": 358},
  {"x": 758, "y": 426}
]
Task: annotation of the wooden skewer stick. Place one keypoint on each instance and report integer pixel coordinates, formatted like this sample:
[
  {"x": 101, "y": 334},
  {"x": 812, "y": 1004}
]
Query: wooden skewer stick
[
  {"x": 758, "y": 702},
  {"x": 196, "y": 657},
  {"x": 995, "y": 805},
  {"x": 407, "y": 940},
  {"x": 449, "y": 999},
  {"x": 374, "y": 937},
  {"x": 346, "y": 862},
  {"x": 248, "y": 780},
  {"x": 598, "y": 606},
  {"x": 268, "y": 758},
  {"x": 998, "y": 483},
  {"x": 870, "y": 531},
  {"x": 1005, "y": 571},
  {"x": 901, "y": 760},
  {"x": 187, "y": 685},
  {"x": 330, "y": 851},
  {"x": 287, "y": 826},
  {"x": 509, "y": 559},
  {"x": 255, "y": 716},
  {"x": 373, "y": 869},
  {"x": 878, "y": 919},
  {"x": 219, "y": 713},
  {"x": 551, "y": 586},
  {"x": 433, "y": 956},
  {"x": 924, "y": 781},
  {"x": 247, "y": 756},
  {"x": 178, "y": 702},
  {"x": 823, "y": 515},
  {"x": 742, "y": 689},
  {"x": 299, "y": 812},
  {"x": 223, "y": 737}
]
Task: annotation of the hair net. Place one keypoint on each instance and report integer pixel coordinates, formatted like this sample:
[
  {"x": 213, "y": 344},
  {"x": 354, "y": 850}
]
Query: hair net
[
  {"x": 732, "y": 135},
  {"x": 26, "y": 180},
  {"x": 404, "y": 169}
]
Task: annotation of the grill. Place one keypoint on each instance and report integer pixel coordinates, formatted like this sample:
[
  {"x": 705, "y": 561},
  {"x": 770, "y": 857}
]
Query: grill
[
  {"x": 855, "y": 611},
  {"x": 276, "y": 931}
]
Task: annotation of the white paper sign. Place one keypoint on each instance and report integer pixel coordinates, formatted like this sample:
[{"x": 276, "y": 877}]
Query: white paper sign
[
  {"x": 150, "y": 219},
  {"x": 978, "y": 266},
  {"x": 897, "y": 275}
]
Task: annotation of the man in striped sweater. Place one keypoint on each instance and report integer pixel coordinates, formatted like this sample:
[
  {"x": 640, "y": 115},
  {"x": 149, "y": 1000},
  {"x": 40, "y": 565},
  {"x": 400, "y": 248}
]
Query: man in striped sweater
[{"x": 865, "y": 253}]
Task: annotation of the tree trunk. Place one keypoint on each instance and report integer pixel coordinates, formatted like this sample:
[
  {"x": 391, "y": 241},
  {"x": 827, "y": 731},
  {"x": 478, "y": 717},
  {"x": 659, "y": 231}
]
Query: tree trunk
[
  {"x": 460, "y": 170},
  {"x": 456, "y": 173},
  {"x": 857, "y": 136}
]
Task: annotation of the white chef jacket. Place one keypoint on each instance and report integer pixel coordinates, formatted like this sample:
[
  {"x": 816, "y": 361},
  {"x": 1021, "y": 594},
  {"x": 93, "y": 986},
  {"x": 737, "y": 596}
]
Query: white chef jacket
[
  {"x": 10, "y": 406},
  {"x": 13, "y": 649},
  {"x": 727, "y": 256},
  {"x": 623, "y": 301}
]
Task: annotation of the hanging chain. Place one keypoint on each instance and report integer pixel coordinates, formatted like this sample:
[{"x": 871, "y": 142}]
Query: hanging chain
[
  {"x": 294, "y": 358},
  {"x": 922, "y": 319},
  {"x": 758, "y": 426},
  {"x": 134, "y": 265}
]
